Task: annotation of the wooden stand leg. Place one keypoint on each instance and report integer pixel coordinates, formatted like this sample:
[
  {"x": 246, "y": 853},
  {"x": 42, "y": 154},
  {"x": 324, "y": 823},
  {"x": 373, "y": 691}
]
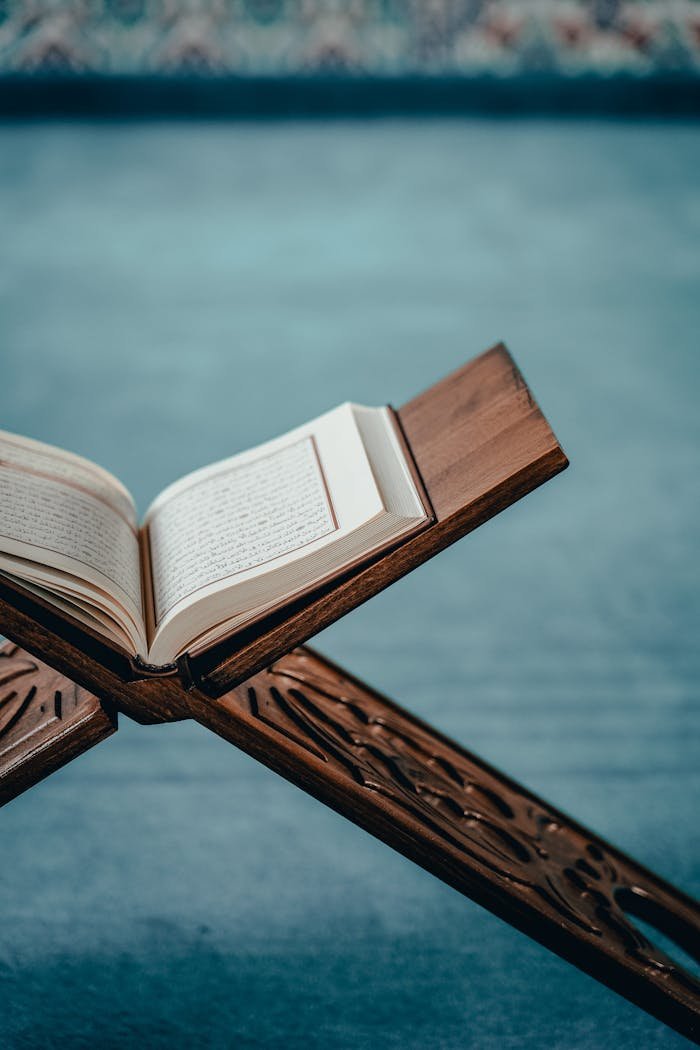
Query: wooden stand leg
[
  {"x": 468, "y": 824},
  {"x": 422, "y": 794},
  {"x": 45, "y": 721}
]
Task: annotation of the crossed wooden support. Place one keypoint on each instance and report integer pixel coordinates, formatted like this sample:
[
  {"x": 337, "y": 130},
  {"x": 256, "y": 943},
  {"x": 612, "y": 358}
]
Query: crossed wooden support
[
  {"x": 419, "y": 792},
  {"x": 366, "y": 757}
]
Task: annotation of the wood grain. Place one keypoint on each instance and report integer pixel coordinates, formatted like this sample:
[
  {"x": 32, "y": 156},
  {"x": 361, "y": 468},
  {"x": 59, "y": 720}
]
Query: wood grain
[
  {"x": 480, "y": 443},
  {"x": 45, "y": 721}
]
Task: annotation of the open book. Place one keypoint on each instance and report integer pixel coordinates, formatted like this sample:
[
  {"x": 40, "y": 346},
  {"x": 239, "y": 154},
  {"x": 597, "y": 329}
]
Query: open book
[{"x": 218, "y": 549}]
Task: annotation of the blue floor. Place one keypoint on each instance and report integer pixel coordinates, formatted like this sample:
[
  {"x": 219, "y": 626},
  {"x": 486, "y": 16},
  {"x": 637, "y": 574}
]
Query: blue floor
[{"x": 172, "y": 293}]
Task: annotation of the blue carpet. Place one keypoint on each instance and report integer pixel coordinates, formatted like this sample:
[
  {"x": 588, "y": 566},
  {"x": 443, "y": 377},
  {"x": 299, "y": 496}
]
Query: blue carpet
[{"x": 171, "y": 293}]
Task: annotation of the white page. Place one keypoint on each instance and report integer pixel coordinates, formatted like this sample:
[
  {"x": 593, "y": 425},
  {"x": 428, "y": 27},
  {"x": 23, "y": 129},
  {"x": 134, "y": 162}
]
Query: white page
[
  {"x": 255, "y": 511},
  {"x": 61, "y": 511},
  {"x": 37, "y": 457},
  {"x": 238, "y": 520}
]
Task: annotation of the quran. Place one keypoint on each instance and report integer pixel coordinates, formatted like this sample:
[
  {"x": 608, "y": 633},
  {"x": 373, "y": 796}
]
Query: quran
[{"x": 218, "y": 549}]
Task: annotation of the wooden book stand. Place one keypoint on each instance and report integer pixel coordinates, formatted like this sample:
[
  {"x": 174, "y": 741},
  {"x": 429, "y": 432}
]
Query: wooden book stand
[{"x": 480, "y": 442}]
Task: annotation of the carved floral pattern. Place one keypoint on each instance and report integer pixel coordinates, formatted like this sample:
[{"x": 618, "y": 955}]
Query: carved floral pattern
[
  {"x": 494, "y": 827},
  {"x": 35, "y": 704}
]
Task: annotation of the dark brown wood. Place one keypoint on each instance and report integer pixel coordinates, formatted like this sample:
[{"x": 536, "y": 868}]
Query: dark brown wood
[
  {"x": 45, "y": 721},
  {"x": 479, "y": 442},
  {"x": 468, "y": 824}
]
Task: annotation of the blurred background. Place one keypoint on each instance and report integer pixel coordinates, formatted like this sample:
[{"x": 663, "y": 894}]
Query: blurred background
[{"x": 218, "y": 220}]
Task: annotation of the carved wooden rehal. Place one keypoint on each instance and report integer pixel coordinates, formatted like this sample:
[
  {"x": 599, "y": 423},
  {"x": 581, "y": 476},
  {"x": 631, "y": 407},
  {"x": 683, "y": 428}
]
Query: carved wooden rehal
[{"x": 479, "y": 442}]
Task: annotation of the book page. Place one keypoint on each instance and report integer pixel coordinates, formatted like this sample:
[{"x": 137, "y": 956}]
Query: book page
[
  {"x": 47, "y": 460},
  {"x": 236, "y": 520},
  {"x": 220, "y": 534},
  {"x": 62, "y": 511}
]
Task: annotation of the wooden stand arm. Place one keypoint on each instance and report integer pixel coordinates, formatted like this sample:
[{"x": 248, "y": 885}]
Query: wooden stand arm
[{"x": 468, "y": 824}]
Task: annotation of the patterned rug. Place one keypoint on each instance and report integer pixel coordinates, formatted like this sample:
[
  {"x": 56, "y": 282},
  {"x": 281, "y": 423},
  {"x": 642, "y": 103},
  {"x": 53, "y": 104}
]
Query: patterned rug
[{"x": 434, "y": 38}]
